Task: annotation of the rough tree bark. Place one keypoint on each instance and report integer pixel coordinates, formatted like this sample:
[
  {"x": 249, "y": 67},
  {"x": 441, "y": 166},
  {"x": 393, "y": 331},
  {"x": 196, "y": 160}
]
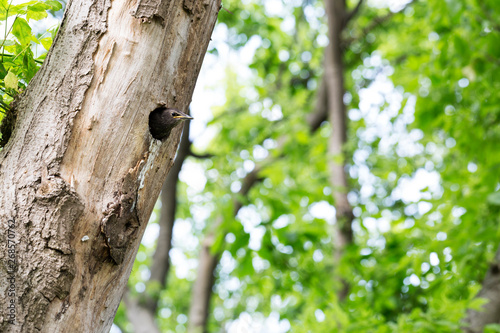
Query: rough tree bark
[{"x": 79, "y": 176}]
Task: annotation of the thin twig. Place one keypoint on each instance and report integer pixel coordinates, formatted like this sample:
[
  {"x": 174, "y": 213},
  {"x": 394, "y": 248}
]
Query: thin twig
[
  {"x": 375, "y": 23},
  {"x": 350, "y": 15},
  {"x": 11, "y": 55},
  {"x": 5, "y": 92},
  {"x": 7, "y": 32},
  {"x": 200, "y": 156},
  {"x": 27, "y": 46}
]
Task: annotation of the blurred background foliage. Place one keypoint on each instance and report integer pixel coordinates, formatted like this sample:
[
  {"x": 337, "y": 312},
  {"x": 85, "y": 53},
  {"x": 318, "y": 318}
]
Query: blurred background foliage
[
  {"x": 421, "y": 93},
  {"x": 422, "y": 155}
]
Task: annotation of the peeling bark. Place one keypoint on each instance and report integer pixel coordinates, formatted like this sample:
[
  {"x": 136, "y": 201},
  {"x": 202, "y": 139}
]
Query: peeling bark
[{"x": 79, "y": 176}]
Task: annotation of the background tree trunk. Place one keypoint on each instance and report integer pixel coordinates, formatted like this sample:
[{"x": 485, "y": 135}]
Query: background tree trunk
[
  {"x": 141, "y": 312},
  {"x": 79, "y": 176},
  {"x": 490, "y": 312},
  {"x": 202, "y": 289},
  {"x": 334, "y": 86}
]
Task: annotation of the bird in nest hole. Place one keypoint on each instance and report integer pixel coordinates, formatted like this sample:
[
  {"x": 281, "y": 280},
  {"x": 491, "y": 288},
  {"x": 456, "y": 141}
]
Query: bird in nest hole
[{"x": 162, "y": 120}]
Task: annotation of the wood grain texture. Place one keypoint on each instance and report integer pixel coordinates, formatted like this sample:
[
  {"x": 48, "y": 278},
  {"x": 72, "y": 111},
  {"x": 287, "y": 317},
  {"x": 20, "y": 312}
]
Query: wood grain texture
[{"x": 81, "y": 172}]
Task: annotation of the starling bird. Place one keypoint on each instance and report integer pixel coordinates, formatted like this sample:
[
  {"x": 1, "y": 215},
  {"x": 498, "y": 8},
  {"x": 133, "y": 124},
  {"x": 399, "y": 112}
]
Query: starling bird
[{"x": 162, "y": 120}]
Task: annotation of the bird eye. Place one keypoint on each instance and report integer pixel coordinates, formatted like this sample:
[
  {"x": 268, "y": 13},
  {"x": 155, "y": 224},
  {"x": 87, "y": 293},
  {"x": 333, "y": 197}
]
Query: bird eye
[{"x": 175, "y": 114}]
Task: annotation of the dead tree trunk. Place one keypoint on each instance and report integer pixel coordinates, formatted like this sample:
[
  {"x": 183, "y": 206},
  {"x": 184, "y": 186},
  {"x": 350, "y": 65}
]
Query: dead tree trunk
[{"x": 79, "y": 176}]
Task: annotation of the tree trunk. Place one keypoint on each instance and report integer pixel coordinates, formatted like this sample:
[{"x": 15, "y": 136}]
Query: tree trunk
[
  {"x": 202, "y": 288},
  {"x": 201, "y": 295},
  {"x": 334, "y": 79},
  {"x": 79, "y": 176},
  {"x": 490, "y": 312},
  {"x": 141, "y": 317},
  {"x": 141, "y": 312}
]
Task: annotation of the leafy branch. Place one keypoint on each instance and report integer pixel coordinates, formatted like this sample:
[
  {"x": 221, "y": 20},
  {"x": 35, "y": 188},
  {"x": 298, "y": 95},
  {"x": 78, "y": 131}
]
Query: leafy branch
[{"x": 18, "y": 64}]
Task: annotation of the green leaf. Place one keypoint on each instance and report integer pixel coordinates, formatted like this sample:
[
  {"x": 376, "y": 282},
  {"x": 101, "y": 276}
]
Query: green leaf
[
  {"x": 20, "y": 9},
  {"x": 6, "y": 42},
  {"x": 494, "y": 198},
  {"x": 53, "y": 32},
  {"x": 11, "y": 81},
  {"x": 7, "y": 65},
  {"x": 3, "y": 71},
  {"x": 36, "y": 15},
  {"x": 55, "y": 5},
  {"x": 492, "y": 328},
  {"x": 39, "y": 7},
  {"x": 29, "y": 64},
  {"x": 246, "y": 267},
  {"x": 218, "y": 243},
  {"x": 46, "y": 42},
  {"x": 37, "y": 11},
  {"x": 22, "y": 31},
  {"x": 462, "y": 48},
  {"x": 477, "y": 303},
  {"x": 42, "y": 57},
  {"x": 23, "y": 5}
]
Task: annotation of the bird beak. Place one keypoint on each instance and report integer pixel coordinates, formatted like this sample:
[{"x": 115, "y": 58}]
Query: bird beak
[{"x": 182, "y": 116}]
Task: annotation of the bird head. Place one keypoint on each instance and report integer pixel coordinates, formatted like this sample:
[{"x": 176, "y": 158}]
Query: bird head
[
  {"x": 176, "y": 114},
  {"x": 162, "y": 120}
]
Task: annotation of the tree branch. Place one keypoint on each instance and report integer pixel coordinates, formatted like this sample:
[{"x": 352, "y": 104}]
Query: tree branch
[
  {"x": 336, "y": 110},
  {"x": 375, "y": 23},
  {"x": 200, "y": 156},
  {"x": 320, "y": 113},
  {"x": 350, "y": 15}
]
